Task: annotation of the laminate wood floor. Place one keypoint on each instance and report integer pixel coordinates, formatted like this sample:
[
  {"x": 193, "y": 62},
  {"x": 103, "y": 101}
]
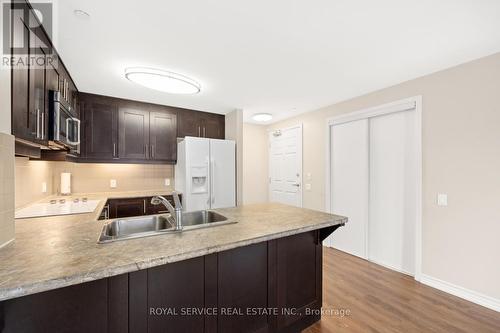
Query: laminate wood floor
[{"x": 381, "y": 300}]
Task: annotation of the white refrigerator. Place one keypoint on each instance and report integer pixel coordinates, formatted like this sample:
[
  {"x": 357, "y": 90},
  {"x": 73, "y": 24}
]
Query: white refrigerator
[{"x": 205, "y": 173}]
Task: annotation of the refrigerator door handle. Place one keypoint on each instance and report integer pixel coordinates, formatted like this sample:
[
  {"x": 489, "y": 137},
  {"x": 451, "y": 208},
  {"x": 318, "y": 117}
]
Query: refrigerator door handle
[
  {"x": 209, "y": 200},
  {"x": 212, "y": 178}
]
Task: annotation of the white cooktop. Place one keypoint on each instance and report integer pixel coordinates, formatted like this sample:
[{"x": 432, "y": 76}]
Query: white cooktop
[{"x": 58, "y": 207}]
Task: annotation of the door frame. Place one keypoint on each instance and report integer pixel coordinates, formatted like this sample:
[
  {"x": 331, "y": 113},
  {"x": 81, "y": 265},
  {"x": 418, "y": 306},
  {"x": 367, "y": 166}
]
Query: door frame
[
  {"x": 300, "y": 152},
  {"x": 406, "y": 104}
]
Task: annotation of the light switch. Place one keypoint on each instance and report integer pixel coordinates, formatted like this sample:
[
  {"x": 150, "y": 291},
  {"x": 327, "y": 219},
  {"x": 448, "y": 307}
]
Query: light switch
[
  {"x": 442, "y": 199},
  {"x": 44, "y": 187},
  {"x": 308, "y": 187},
  {"x": 113, "y": 183},
  {"x": 308, "y": 176},
  {"x": 167, "y": 181}
]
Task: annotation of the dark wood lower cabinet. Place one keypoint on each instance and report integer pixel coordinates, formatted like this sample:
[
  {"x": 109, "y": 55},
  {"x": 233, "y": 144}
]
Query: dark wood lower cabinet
[
  {"x": 264, "y": 287},
  {"x": 119, "y": 208},
  {"x": 299, "y": 280}
]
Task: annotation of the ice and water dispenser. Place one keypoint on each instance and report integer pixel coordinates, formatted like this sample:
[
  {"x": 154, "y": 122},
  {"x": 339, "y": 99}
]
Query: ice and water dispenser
[{"x": 199, "y": 179}]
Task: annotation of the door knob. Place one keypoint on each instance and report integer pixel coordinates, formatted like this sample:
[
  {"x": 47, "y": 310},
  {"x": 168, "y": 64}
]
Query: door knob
[{"x": 296, "y": 185}]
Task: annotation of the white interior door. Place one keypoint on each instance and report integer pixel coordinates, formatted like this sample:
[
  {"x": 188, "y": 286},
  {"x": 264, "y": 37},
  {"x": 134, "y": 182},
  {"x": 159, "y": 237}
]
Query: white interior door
[
  {"x": 393, "y": 191},
  {"x": 222, "y": 173},
  {"x": 349, "y": 185},
  {"x": 285, "y": 166}
]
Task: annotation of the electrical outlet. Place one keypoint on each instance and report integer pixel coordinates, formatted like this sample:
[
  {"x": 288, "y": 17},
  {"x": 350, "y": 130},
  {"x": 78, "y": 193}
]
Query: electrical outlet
[
  {"x": 113, "y": 183},
  {"x": 442, "y": 199},
  {"x": 167, "y": 181},
  {"x": 308, "y": 176},
  {"x": 44, "y": 187}
]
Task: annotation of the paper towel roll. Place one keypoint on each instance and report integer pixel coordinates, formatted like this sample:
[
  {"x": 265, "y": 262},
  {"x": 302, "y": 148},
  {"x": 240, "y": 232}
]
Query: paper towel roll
[{"x": 65, "y": 183}]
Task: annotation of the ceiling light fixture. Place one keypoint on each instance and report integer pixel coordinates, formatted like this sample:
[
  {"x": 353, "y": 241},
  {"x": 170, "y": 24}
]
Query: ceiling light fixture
[
  {"x": 81, "y": 14},
  {"x": 262, "y": 117},
  {"x": 161, "y": 80}
]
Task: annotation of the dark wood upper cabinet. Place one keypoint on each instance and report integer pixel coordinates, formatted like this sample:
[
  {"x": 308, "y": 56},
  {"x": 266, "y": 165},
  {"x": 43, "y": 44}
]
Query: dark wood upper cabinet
[
  {"x": 39, "y": 119},
  {"x": 30, "y": 84},
  {"x": 100, "y": 129},
  {"x": 201, "y": 124},
  {"x": 213, "y": 126},
  {"x": 163, "y": 136},
  {"x": 20, "y": 83},
  {"x": 133, "y": 133},
  {"x": 189, "y": 124}
]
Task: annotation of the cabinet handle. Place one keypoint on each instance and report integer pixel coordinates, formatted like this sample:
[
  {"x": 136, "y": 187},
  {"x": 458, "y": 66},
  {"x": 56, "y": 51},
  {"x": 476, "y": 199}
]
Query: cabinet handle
[
  {"x": 152, "y": 151},
  {"x": 204, "y": 132},
  {"x": 114, "y": 149},
  {"x": 144, "y": 206},
  {"x": 38, "y": 123},
  {"x": 146, "y": 151},
  {"x": 43, "y": 126},
  {"x": 199, "y": 131},
  {"x": 106, "y": 212}
]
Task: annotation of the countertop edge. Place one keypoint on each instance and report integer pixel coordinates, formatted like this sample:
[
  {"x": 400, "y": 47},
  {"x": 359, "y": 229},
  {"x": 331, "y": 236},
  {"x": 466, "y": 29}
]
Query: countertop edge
[{"x": 53, "y": 284}]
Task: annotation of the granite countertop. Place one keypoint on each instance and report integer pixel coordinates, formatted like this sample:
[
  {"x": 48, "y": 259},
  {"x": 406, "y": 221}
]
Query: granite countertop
[{"x": 54, "y": 252}]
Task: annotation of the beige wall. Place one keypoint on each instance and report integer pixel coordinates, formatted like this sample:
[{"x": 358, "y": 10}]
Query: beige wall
[
  {"x": 234, "y": 131},
  {"x": 4, "y": 100},
  {"x": 87, "y": 178},
  {"x": 6, "y": 161},
  {"x": 255, "y": 164},
  {"x": 461, "y": 157},
  {"x": 6, "y": 188}
]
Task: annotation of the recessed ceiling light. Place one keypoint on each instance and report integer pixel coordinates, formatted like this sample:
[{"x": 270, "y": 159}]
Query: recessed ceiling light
[
  {"x": 262, "y": 117},
  {"x": 158, "y": 79},
  {"x": 81, "y": 13}
]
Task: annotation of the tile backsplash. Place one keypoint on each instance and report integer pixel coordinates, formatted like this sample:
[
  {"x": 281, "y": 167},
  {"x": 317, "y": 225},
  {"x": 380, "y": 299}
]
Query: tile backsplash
[
  {"x": 87, "y": 178},
  {"x": 6, "y": 188},
  {"x": 29, "y": 178}
]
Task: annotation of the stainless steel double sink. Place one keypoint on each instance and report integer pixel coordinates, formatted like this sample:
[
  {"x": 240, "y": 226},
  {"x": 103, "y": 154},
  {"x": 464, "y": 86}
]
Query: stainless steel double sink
[{"x": 145, "y": 226}]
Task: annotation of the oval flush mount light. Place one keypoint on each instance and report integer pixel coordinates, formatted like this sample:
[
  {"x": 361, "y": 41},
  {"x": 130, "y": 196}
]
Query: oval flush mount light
[
  {"x": 161, "y": 80},
  {"x": 261, "y": 117}
]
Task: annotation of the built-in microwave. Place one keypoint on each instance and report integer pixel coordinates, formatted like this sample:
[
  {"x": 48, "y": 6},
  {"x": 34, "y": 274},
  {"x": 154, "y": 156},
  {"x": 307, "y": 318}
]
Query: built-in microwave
[{"x": 64, "y": 125}]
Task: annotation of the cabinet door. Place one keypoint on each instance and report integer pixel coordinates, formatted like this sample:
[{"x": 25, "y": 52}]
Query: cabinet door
[
  {"x": 51, "y": 83},
  {"x": 119, "y": 208},
  {"x": 298, "y": 278},
  {"x": 245, "y": 282},
  {"x": 189, "y": 124},
  {"x": 81, "y": 308},
  {"x": 163, "y": 136},
  {"x": 177, "y": 287},
  {"x": 37, "y": 91},
  {"x": 22, "y": 119},
  {"x": 100, "y": 130},
  {"x": 213, "y": 126},
  {"x": 133, "y": 134}
]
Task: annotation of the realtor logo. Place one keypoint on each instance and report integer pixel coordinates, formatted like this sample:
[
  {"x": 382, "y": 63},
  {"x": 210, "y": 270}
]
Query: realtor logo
[{"x": 26, "y": 33}]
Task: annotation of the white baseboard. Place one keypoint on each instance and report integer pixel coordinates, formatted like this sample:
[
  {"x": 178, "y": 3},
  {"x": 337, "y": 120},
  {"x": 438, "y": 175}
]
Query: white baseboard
[{"x": 467, "y": 294}]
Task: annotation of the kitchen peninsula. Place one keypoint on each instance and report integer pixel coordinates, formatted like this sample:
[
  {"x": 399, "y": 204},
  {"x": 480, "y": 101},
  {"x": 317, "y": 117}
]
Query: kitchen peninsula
[{"x": 55, "y": 277}]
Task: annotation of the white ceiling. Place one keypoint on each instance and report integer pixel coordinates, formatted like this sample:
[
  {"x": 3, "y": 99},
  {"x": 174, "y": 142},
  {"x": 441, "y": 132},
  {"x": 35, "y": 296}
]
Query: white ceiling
[{"x": 283, "y": 57}]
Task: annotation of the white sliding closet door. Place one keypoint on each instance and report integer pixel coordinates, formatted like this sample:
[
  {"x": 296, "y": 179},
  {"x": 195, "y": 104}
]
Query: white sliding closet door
[
  {"x": 392, "y": 207},
  {"x": 349, "y": 184}
]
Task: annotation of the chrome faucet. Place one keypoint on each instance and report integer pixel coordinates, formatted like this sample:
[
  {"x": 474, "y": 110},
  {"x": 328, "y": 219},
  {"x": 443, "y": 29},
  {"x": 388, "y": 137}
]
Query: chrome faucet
[{"x": 175, "y": 212}]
